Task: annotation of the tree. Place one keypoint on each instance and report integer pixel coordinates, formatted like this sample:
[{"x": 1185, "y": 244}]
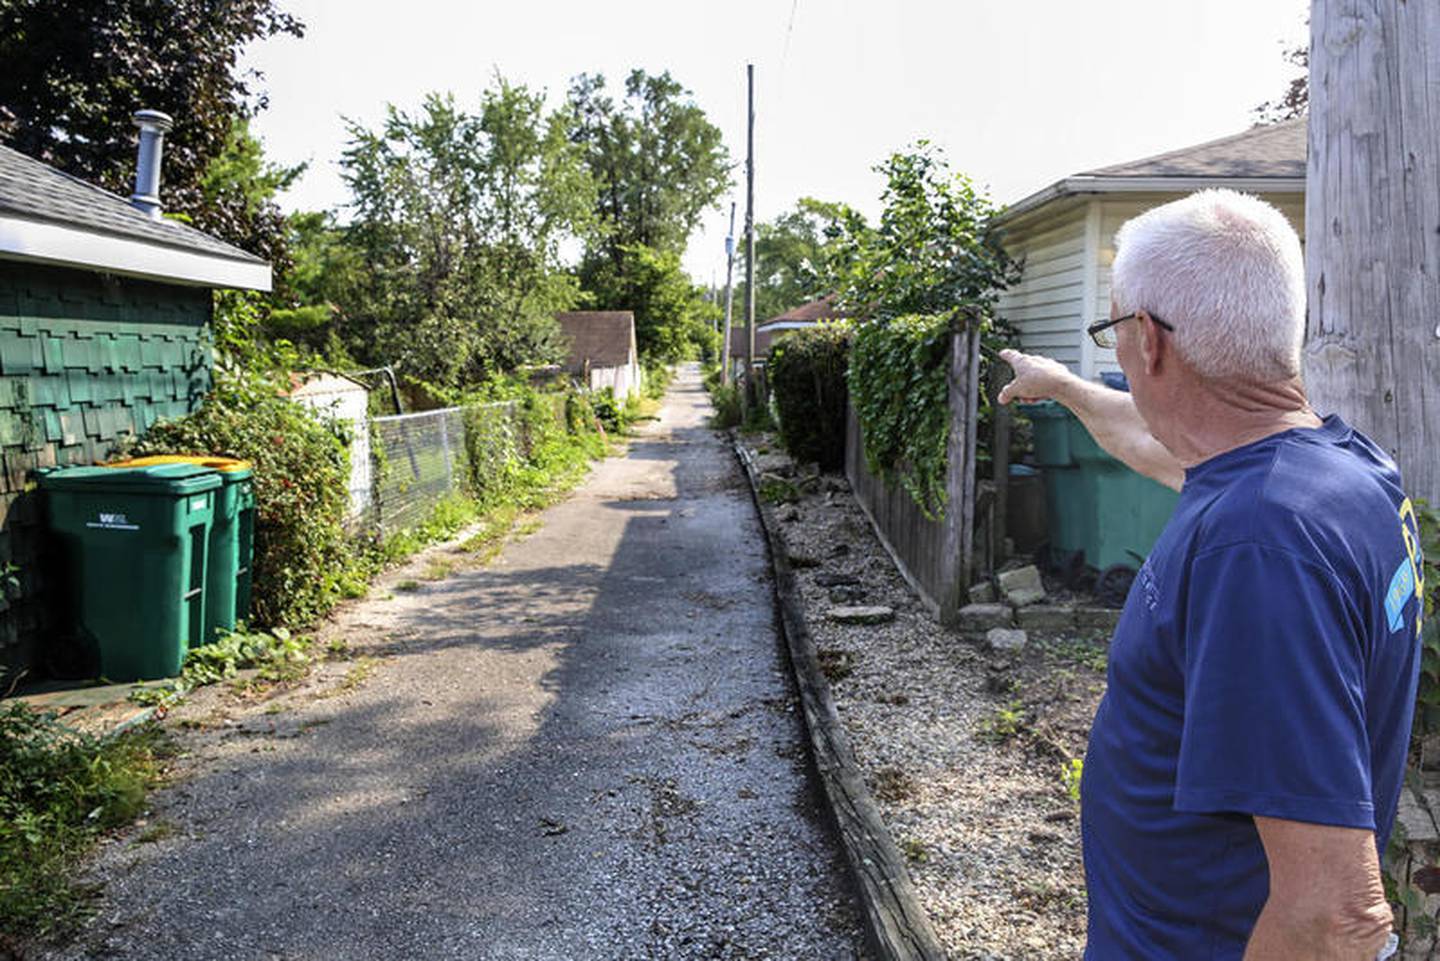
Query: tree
[
  {"x": 1296, "y": 99},
  {"x": 932, "y": 252},
  {"x": 657, "y": 160},
  {"x": 673, "y": 321},
  {"x": 76, "y": 70},
  {"x": 459, "y": 219},
  {"x": 789, "y": 256}
]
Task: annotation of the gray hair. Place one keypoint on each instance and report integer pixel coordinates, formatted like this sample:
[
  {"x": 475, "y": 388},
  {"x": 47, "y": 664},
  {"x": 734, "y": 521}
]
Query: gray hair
[{"x": 1225, "y": 269}]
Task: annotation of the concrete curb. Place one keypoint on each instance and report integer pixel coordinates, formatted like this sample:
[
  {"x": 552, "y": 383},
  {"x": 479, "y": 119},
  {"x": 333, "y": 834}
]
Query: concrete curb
[{"x": 896, "y": 926}]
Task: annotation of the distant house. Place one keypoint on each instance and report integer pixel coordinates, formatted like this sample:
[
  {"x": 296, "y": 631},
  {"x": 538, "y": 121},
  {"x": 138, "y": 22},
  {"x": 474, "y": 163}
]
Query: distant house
[
  {"x": 797, "y": 318},
  {"x": 602, "y": 350},
  {"x": 1064, "y": 235},
  {"x": 104, "y": 309}
]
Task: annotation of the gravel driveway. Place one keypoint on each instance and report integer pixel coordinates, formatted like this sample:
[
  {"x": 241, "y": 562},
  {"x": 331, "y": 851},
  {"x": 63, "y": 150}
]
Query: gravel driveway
[{"x": 586, "y": 749}]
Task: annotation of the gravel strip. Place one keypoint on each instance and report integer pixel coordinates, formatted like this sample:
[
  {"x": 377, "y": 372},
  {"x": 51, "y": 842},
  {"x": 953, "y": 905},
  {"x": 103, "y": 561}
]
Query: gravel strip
[{"x": 964, "y": 749}]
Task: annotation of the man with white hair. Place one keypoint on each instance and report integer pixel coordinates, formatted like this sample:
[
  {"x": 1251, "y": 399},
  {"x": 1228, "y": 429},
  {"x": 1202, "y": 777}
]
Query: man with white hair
[{"x": 1246, "y": 761}]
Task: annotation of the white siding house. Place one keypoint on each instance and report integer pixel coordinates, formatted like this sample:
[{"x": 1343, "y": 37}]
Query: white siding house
[
  {"x": 602, "y": 350},
  {"x": 1064, "y": 235}
]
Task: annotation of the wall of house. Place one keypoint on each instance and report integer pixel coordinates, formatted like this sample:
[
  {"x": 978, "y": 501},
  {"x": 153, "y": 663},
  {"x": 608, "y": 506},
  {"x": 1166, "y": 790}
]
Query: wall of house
[
  {"x": 622, "y": 380},
  {"x": 347, "y": 401},
  {"x": 1113, "y": 213},
  {"x": 1049, "y": 299},
  {"x": 85, "y": 359}
]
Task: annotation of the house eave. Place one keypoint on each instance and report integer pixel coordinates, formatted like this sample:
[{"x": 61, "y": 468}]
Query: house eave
[
  {"x": 1075, "y": 186},
  {"x": 43, "y": 242}
]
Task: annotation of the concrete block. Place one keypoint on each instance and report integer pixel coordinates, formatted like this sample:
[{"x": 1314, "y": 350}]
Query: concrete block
[
  {"x": 983, "y": 593},
  {"x": 1005, "y": 639},
  {"x": 1096, "y": 618},
  {"x": 1046, "y": 617},
  {"x": 979, "y": 618},
  {"x": 1021, "y": 586},
  {"x": 1417, "y": 822}
]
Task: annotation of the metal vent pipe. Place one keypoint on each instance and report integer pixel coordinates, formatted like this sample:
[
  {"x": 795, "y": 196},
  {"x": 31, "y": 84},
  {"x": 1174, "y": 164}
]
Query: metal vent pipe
[{"x": 153, "y": 125}]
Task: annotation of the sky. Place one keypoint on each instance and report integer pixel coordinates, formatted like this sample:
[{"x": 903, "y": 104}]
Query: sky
[{"x": 1018, "y": 93}]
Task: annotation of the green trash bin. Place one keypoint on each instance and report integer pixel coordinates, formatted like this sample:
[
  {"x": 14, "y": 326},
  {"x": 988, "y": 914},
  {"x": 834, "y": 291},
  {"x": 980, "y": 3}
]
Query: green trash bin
[
  {"x": 1097, "y": 506},
  {"x": 132, "y": 548},
  {"x": 232, "y": 539}
]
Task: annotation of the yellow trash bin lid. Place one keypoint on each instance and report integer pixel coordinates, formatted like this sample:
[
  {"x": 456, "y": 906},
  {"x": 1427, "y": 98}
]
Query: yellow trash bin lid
[{"x": 224, "y": 465}]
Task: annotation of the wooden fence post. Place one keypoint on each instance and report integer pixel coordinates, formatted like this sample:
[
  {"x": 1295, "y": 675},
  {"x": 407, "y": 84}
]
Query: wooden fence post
[{"x": 960, "y": 456}]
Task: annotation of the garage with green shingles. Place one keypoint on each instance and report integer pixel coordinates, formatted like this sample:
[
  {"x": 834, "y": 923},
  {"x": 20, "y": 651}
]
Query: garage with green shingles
[{"x": 105, "y": 309}]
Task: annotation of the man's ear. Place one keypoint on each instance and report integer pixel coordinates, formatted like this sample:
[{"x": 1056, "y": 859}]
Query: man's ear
[{"x": 1153, "y": 348}]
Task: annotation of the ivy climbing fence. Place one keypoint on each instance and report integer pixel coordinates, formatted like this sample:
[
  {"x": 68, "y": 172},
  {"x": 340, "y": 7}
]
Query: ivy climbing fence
[{"x": 936, "y": 554}]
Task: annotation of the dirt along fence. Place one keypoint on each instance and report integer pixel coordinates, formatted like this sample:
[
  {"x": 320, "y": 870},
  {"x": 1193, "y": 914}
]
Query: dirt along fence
[{"x": 937, "y": 556}]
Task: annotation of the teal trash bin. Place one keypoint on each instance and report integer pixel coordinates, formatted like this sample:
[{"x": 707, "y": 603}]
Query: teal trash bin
[
  {"x": 132, "y": 548},
  {"x": 1097, "y": 506}
]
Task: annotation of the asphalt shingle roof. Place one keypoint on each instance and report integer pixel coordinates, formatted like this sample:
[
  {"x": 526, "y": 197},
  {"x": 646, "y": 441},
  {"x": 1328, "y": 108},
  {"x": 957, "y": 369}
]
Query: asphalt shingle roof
[
  {"x": 37, "y": 191},
  {"x": 603, "y": 337},
  {"x": 1274, "y": 150},
  {"x": 816, "y": 310}
]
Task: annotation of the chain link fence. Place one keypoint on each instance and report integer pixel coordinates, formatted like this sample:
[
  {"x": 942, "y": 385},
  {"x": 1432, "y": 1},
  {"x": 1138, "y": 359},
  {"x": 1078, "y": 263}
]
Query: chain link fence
[{"x": 420, "y": 459}]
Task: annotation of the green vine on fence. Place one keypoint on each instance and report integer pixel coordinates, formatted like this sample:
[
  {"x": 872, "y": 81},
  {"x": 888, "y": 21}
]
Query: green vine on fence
[{"x": 899, "y": 388}]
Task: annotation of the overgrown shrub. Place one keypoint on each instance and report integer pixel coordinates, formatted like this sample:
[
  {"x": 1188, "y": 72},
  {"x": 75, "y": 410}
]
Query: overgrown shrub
[
  {"x": 725, "y": 399},
  {"x": 807, "y": 377},
  {"x": 302, "y": 565}
]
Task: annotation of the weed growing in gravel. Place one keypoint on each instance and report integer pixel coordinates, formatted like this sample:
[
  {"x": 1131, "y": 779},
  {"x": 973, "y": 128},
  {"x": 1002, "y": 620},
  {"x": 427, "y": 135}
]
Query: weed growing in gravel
[
  {"x": 915, "y": 851},
  {"x": 59, "y": 791},
  {"x": 438, "y": 569},
  {"x": 1006, "y": 723},
  {"x": 358, "y": 674},
  {"x": 278, "y": 656},
  {"x": 408, "y": 586},
  {"x": 775, "y": 490},
  {"x": 1070, "y": 776},
  {"x": 893, "y": 785},
  {"x": 1089, "y": 653},
  {"x": 835, "y": 664}
]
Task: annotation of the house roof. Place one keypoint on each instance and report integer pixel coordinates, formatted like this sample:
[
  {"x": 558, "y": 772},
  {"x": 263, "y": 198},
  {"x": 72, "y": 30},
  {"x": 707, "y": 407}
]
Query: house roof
[
  {"x": 605, "y": 338},
  {"x": 816, "y": 310},
  {"x": 739, "y": 341},
  {"x": 1265, "y": 158},
  {"x": 52, "y": 217}
]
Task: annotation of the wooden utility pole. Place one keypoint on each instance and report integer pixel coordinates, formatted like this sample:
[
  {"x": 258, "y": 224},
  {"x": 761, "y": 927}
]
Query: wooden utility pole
[
  {"x": 729, "y": 291},
  {"x": 750, "y": 398},
  {"x": 1372, "y": 227}
]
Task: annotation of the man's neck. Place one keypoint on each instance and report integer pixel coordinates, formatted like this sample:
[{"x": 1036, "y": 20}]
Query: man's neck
[{"x": 1220, "y": 417}]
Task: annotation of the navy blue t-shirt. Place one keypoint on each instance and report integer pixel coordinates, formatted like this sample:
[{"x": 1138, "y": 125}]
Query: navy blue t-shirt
[{"x": 1265, "y": 664}]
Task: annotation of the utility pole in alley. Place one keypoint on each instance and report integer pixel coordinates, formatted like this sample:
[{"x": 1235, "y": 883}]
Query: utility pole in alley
[
  {"x": 729, "y": 272},
  {"x": 750, "y": 397},
  {"x": 1372, "y": 227}
]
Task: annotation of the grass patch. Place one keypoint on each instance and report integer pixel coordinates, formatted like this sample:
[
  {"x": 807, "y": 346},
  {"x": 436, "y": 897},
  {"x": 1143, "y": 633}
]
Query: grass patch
[
  {"x": 359, "y": 673},
  {"x": 406, "y": 586},
  {"x": 59, "y": 791},
  {"x": 439, "y": 568}
]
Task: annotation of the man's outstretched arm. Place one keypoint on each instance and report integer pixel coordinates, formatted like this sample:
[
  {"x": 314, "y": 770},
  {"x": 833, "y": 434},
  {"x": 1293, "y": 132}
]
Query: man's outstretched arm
[{"x": 1109, "y": 415}]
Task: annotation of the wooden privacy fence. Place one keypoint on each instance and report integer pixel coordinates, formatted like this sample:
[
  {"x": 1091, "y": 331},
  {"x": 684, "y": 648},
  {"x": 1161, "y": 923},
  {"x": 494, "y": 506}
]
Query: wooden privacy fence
[{"x": 935, "y": 556}]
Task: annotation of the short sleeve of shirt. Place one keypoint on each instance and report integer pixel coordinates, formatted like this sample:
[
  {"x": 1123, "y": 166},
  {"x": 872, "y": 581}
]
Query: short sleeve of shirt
[{"x": 1274, "y": 692}]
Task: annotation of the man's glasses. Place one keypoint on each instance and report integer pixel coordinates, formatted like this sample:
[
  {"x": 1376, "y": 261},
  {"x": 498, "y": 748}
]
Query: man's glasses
[{"x": 1103, "y": 333}]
